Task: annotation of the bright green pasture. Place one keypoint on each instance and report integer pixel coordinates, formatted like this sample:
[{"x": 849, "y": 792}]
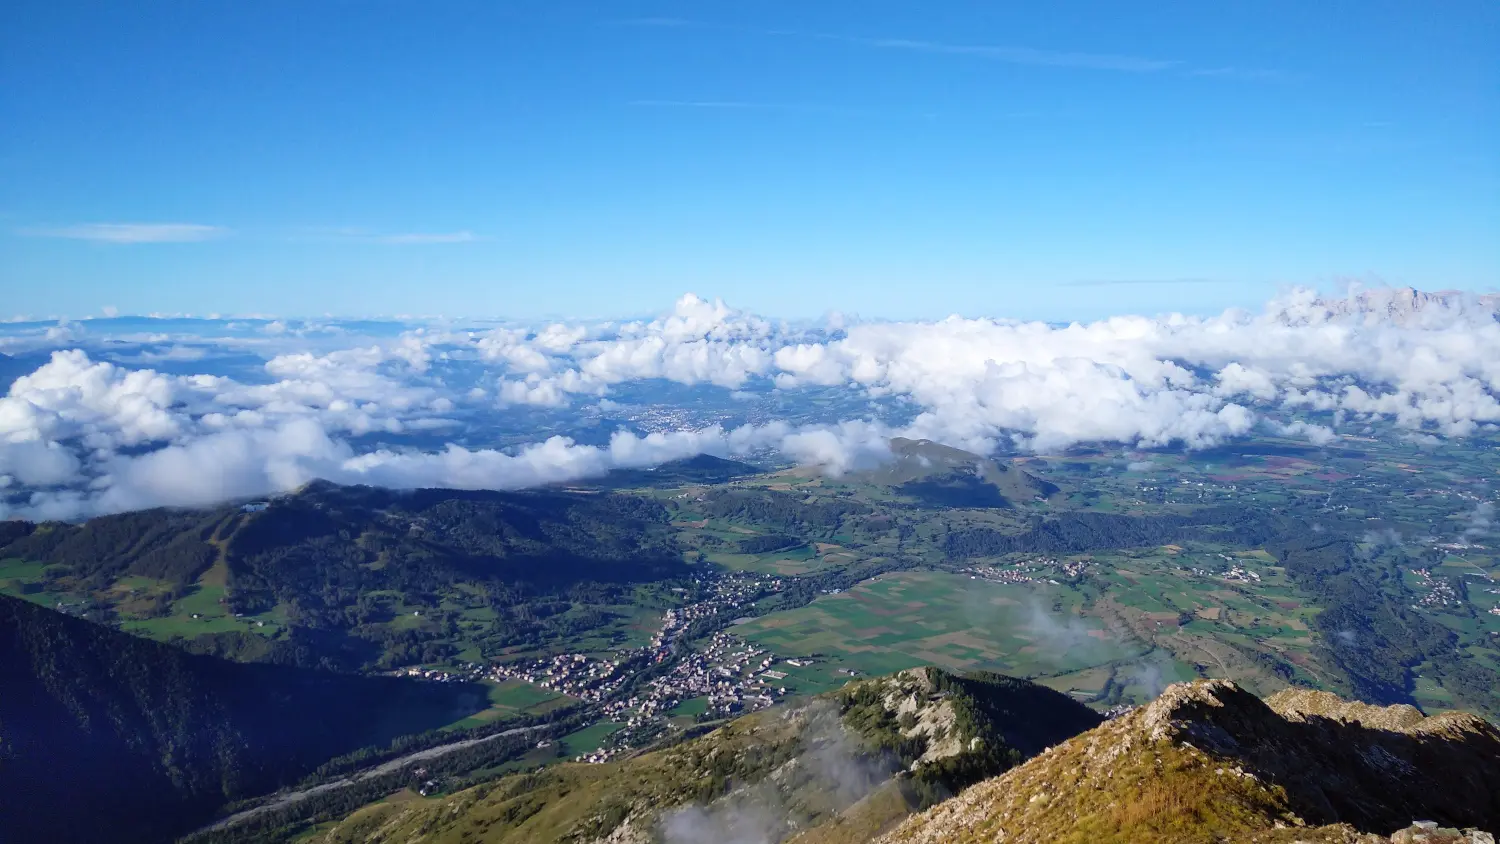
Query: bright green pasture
[{"x": 906, "y": 619}]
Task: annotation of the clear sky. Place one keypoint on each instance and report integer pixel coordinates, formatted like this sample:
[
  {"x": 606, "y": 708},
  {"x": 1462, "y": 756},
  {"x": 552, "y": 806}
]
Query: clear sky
[{"x": 1057, "y": 160}]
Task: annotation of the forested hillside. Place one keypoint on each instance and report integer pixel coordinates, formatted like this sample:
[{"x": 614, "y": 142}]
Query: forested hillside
[
  {"x": 109, "y": 737},
  {"x": 358, "y": 577}
]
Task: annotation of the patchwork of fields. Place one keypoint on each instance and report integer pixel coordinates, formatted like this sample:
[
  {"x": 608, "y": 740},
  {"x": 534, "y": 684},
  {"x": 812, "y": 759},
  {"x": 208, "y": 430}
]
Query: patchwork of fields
[{"x": 912, "y": 618}]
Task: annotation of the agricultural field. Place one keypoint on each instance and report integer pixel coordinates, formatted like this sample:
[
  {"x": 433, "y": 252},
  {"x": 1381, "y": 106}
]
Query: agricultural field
[
  {"x": 1228, "y": 613},
  {"x": 588, "y": 739},
  {"x": 960, "y": 622},
  {"x": 511, "y": 698}
]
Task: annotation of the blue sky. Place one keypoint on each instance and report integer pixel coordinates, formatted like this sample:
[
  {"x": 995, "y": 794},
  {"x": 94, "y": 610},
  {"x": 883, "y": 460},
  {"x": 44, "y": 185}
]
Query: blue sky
[{"x": 887, "y": 159}]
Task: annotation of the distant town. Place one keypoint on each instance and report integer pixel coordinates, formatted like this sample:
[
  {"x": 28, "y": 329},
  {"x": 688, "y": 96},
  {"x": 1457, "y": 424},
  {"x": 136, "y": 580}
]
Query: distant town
[{"x": 733, "y": 676}]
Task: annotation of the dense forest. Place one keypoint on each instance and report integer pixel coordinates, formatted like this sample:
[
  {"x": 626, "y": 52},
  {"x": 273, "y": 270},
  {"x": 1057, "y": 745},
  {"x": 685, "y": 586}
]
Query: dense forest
[
  {"x": 1078, "y": 532},
  {"x": 109, "y": 737},
  {"x": 338, "y": 563},
  {"x": 325, "y": 546},
  {"x": 1368, "y": 629},
  {"x": 960, "y": 488},
  {"x": 783, "y": 511}
]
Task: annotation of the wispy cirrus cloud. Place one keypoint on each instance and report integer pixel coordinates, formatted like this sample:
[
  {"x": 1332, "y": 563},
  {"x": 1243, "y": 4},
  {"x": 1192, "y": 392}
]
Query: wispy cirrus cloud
[
  {"x": 1002, "y": 53},
  {"x": 427, "y": 238},
  {"x": 1009, "y": 54},
  {"x": 129, "y": 232},
  {"x": 663, "y": 22},
  {"x": 1141, "y": 282},
  {"x": 725, "y": 104},
  {"x": 356, "y": 234},
  {"x": 1019, "y": 55},
  {"x": 757, "y": 107},
  {"x": 1248, "y": 73}
]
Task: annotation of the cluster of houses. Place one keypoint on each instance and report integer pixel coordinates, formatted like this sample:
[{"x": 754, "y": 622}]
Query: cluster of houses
[
  {"x": 734, "y": 676},
  {"x": 579, "y": 675},
  {"x": 469, "y": 672},
  {"x": 726, "y": 592},
  {"x": 1024, "y": 571},
  {"x": 1440, "y": 592},
  {"x": 1237, "y": 572},
  {"x": 1240, "y": 574},
  {"x": 726, "y": 670},
  {"x": 596, "y": 680}
]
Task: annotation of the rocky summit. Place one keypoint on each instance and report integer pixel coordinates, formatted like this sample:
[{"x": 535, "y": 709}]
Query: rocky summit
[{"x": 1208, "y": 761}]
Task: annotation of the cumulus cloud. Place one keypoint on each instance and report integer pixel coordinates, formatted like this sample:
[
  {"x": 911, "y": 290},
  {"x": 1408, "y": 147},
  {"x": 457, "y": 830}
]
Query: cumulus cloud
[
  {"x": 1315, "y": 434},
  {"x": 1147, "y": 381},
  {"x": 124, "y": 439},
  {"x": 91, "y": 433}
]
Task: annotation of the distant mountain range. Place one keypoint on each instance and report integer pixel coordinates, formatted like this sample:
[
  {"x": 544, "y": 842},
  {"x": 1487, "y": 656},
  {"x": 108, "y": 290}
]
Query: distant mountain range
[{"x": 1403, "y": 304}]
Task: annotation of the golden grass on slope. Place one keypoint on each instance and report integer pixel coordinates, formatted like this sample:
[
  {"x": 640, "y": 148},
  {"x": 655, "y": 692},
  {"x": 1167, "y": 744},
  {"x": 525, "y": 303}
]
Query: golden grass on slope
[
  {"x": 1207, "y": 762},
  {"x": 1080, "y": 793}
]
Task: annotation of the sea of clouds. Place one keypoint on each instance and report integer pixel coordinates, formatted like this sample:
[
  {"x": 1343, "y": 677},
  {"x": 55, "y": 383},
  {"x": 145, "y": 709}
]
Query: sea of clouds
[{"x": 123, "y": 414}]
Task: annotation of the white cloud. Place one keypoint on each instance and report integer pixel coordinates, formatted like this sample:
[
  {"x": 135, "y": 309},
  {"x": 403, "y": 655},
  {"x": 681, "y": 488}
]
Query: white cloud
[
  {"x": 1481, "y": 521},
  {"x": 116, "y": 437},
  {"x": 130, "y": 232},
  {"x": 1315, "y": 434},
  {"x": 105, "y": 406},
  {"x": 428, "y": 238}
]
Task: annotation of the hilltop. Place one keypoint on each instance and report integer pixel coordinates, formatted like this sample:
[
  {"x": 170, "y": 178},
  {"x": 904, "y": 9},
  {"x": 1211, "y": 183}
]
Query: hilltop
[
  {"x": 838, "y": 767},
  {"x": 938, "y": 475},
  {"x": 1208, "y": 761}
]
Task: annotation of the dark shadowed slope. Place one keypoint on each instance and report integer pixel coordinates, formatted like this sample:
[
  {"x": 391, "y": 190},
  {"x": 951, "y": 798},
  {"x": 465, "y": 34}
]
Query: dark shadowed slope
[
  {"x": 940, "y": 476},
  {"x": 108, "y": 737}
]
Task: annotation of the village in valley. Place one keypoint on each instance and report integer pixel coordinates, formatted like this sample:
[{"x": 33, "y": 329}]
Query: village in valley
[{"x": 731, "y": 676}]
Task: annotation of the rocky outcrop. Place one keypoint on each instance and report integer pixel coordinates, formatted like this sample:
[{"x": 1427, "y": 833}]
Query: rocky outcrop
[
  {"x": 1406, "y": 305},
  {"x": 1209, "y": 761},
  {"x": 834, "y": 770}
]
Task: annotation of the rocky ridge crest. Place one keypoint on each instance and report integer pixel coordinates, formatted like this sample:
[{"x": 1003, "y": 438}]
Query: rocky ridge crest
[{"x": 1209, "y": 761}]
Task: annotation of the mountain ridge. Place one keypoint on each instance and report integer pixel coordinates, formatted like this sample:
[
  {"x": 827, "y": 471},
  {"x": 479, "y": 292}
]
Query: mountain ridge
[
  {"x": 859, "y": 757},
  {"x": 1209, "y": 761}
]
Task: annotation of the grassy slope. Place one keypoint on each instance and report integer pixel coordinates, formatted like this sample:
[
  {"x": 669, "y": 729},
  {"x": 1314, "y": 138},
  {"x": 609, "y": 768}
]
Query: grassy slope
[
  {"x": 1209, "y": 762},
  {"x": 731, "y": 766}
]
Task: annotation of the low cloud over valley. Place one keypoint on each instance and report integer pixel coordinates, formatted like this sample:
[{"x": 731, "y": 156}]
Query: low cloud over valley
[{"x": 116, "y": 414}]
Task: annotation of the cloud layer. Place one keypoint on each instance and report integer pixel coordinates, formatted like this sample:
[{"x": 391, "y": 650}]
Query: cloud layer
[{"x": 94, "y": 429}]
